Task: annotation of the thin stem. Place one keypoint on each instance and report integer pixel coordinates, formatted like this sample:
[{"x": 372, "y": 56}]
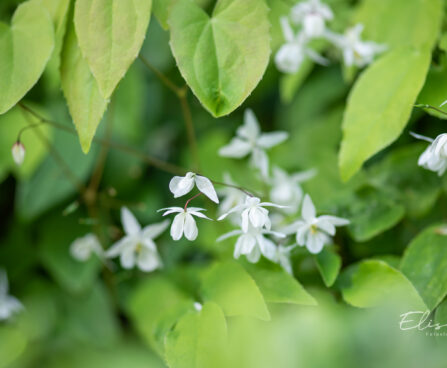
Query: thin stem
[
  {"x": 250, "y": 194},
  {"x": 425, "y": 106},
  {"x": 190, "y": 199},
  {"x": 19, "y": 135},
  {"x": 164, "y": 79}
]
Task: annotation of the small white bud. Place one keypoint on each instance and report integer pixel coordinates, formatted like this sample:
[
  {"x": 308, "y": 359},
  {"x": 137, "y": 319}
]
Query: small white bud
[
  {"x": 18, "y": 153},
  {"x": 197, "y": 306}
]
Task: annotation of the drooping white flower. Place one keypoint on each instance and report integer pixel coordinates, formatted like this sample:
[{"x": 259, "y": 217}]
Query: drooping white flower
[
  {"x": 250, "y": 140},
  {"x": 82, "y": 248},
  {"x": 9, "y": 305},
  {"x": 434, "y": 158},
  {"x": 137, "y": 247},
  {"x": 18, "y": 153},
  {"x": 355, "y": 51},
  {"x": 312, "y": 231},
  {"x": 290, "y": 56},
  {"x": 283, "y": 257},
  {"x": 231, "y": 196},
  {"x": 184, "y": 223},
  {"x": 286, "y": 189},
  {"x": 312, "y": 14},
  {"x": 181, "y": 185},
  {"x": 253, "y": 243},
  {"x": 253, "y": 213}
]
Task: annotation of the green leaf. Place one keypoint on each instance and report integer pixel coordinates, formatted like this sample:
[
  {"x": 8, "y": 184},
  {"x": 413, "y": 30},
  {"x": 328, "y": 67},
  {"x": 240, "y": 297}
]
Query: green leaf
[
  {"x": 425, "y": 264},
  {"x": 398, "y": 23},
  {"x": 81, "y": 90},
  {"x": 222, "y": 57},
  {"x": 12, "y": 344},
  {"x": 441, "y": 318},
  {"x": 329, "y": 264},
  {"x": 372, "y": 283},
  {"x": 234, "y": 290},
  {"x": 377, "y": 112},
  {"x": 435, "y": 90},
  {"x": 276, "y": 285},
  {"x": 198, "y": 340},
  {"x": 155, "y": 306},
  {"x": 110, "y": 34},
  {"x": 25, "y": 48}
]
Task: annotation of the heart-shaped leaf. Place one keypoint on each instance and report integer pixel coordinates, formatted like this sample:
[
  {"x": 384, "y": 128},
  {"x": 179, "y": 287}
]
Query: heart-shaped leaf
[
  {"x": 222, "y": 57},
  {"x": 25, "y": 48},
  {"x": 110, "y": 34}
]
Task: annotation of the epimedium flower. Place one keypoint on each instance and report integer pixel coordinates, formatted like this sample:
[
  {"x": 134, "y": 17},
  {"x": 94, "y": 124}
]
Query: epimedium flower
[
  {"x": 181, "y": 185},
  {"x": 283, "y": 257},
  {"x": 312, "y": 14},
  {"x": 286, "y": 189},
  {"x": 312, "y": 231},
  {"x": 355, "y": 51},
  {"x": 252, "y": 243},
  {"x": 18, "y": 153},
  {"x": 434, "y": 158},
  {"x": 137, "y": 247},
  {"x": 82, "y": 248},
  {"x": 184, "y": 223},
  {"x": 231, "y": 196},
  {"x": 291, "y": 55},
  {"x": 9, "y": 305},
  {"x": 250, "y": 140},
  {"x": 253, "y": 213}
]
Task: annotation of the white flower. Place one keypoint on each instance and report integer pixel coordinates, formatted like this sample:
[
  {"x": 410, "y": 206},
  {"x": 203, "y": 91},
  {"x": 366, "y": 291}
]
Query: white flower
[
  {"x": 290, "y": 56},
  {"x": 18, "y": 153},
  {"x": 250, "y": 140},
  {"x": 434, "y": 158},
  {"x": 181, "y": 185},
  {"x": 184, "y": 222},
  {"x": 9, "y": 305},
  {"x": 253, "y": 212},
  {"x": 137, "y": 247},
  {"x": 253, "y": 243},
  {"x": 82, "y": 248},
  {"x": 231, "y": 196},
  {"x": 355, "y": 51},
  {"x": 286, "y": 189},
  {"x": 283, "y": 257},
  {"x": 312, "y": 14},
  {"x": 314, "y": 232},
  {"x": 198, "y": 306}
]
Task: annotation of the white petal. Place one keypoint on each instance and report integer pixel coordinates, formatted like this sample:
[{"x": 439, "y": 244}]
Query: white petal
[
  {"x": 247, "y": 243},
  {"x": 190, "y": 228},
  {"x": 154, "y": 230},
  {"x": 315, "y": 242},
  {"x": 269, "y": 140},
  {"x": 177, "y": 226},
  {"x": 228, "y": 235},
  {"x": 148, "y": 260},
  {"x": 180, "y": 186},
  {"x": 250, "y": 130},
  {"x": 170, "y": 210},
  {"x": 237, "y": 148},
  {"x": 289, "y": 34},
  {"x": 117, "y": 248},
  {"x": 289, "y": 57},
  {"x": 130, "y": 223},
  {"x": 127, "y": 258},
  {"x": 234, "y": 209},
  {"x": 207, "y": 188},
  {"x": 268, "y": 248},
  {"x": 258, "y": 216},
  {"x": 325, "y": 225},
  {"x": 308, "y": 211},
  {"x": 254, "y": 255},
  {"x": 260, "y": 160},
  {"x": 245, "y": 220},
  {"x": 199, "y": 214},
  {"x": 18, "y": 153},
  {"x": 337, "y": 221}
]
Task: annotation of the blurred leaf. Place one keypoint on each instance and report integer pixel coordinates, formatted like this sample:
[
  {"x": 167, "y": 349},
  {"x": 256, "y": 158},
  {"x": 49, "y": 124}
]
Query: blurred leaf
[
  {"x": 25, "y": 49},
  {"x": 377, "y": 112},
  {"x": 57, "y": 233},
  {"x": 110, "y": 35},
  {"x": 398, "y": 23},
  {"x": 81, "y": 90},
  {"x": 290, "y": 83},
  {"x": 154, "y": 307},
  {"x": 441, "y": 318},
  {"x": 222, "y": 57},
  {"x": 276, "y": 285},
  {"x": 234, "y": 290},
  {"x": 329, "y": 264},
  {"x": 425, "y": 264},
  {"x": 435, "y": 90},
  {"x": 198, "y": 340},
  {"x": 12, "y": 344},
  {"x": 371, "y": 283}
]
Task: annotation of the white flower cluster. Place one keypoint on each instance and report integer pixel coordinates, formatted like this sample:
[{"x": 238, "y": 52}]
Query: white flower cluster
[
  {"x": 9, "y": 305},
  {"x": 310, "y": 19},
  {"x": 434, "y": 158}
]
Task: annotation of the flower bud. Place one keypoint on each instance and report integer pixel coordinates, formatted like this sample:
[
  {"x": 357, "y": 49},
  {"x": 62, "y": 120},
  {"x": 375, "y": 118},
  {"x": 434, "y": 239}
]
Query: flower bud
[{"x": 18, "y": 152}]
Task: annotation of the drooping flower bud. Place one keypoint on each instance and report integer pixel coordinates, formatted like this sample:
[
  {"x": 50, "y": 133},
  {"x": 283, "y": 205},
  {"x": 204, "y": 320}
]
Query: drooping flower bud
[{"x": 18, "y": 153}]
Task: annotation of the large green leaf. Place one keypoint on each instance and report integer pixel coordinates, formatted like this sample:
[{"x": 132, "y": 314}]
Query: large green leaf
[
  {"x": 222, "y": 57},
  {"x": 276, "y": 285},
  {"x": 372, "y": 283},
  {"x": 435, "y": 90},
  {"x": 329, "y": 264},
  {"x": 25, "y": 48},
  {"x": 234, "y": 290},
  {"x": 198, "y": 340},
  {"x": 401, "y": 22},
  {"x": 425, "y": 264},
  {"x": 110, "y": 34},
  {"x": 12, "y": 344},
  {"x": 81, "y": 90},
  {"x": 377, "y": 111}
]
